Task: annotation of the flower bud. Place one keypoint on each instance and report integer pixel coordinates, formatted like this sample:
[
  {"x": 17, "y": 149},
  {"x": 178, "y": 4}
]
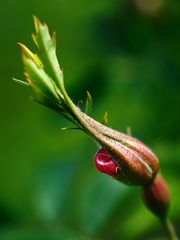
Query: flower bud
[
  {"x": 156, "y": 196},
  {"x": 136, "y": 163}
]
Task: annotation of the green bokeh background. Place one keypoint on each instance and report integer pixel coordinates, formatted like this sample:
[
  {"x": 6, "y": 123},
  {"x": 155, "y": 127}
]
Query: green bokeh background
[{"x": 127, "y": 54}]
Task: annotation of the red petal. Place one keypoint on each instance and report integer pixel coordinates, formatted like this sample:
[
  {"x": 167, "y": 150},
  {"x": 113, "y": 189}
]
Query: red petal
[{"x": 104, "y": 163}]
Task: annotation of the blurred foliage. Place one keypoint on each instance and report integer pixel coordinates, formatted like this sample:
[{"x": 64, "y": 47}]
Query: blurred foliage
[{"x": 126, "y": 53}]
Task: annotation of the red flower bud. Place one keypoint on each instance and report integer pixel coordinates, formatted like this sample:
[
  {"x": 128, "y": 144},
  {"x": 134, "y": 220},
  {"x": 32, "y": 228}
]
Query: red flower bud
[
  {"x": 137, "y": 164},
  {"x": 105, "y": 163},
  {"x": 156, "y": 196}
]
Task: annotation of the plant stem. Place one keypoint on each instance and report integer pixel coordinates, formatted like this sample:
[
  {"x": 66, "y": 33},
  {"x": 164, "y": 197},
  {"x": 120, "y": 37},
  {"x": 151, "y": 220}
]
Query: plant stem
[{"x": 169, "y": 228}]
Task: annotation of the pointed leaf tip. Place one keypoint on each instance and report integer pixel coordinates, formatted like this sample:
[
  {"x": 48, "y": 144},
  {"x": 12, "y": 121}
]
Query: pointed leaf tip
[
  {"x": 31, "y": 55},
  {"x": 26, "y": 51},
  {"x": 36, "y": 23}
]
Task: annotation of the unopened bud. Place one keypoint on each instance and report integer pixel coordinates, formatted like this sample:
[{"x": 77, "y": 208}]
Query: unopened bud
[
  {"x": 156, "y": 196},
  {"x": 136, "y": 163}
]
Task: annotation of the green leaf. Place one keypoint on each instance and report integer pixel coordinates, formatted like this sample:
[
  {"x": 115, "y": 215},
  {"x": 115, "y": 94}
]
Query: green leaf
[
  {"x": 47, "y": 51},
  {"x": 43, "y": 74},
  {"x": 38, "y": 77}
]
